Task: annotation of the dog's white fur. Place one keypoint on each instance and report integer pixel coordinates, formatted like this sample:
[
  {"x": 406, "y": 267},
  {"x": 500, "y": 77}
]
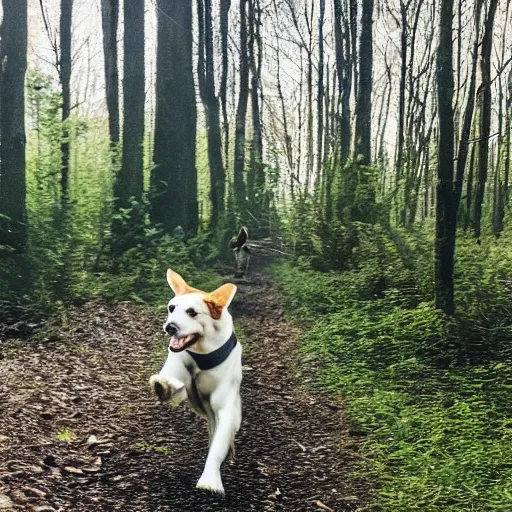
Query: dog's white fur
[{"x": 213, "y": 394}]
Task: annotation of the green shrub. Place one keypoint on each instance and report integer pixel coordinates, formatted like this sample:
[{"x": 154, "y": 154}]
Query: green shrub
[{"x": 429, "y": 394}]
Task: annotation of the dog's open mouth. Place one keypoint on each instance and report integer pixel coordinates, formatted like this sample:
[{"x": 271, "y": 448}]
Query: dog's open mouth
[{"x": 178, "y": 344}]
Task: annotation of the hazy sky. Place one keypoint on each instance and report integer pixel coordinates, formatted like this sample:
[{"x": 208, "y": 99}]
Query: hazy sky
[{"x": 87, "y": 79}]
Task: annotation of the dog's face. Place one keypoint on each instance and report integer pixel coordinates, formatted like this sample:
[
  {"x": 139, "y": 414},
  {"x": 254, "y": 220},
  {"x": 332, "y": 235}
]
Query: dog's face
[{"x": 193, "y": 314}]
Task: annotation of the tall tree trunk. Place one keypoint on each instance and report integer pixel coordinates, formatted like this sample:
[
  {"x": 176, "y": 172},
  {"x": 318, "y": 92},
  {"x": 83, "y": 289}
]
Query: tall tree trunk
[
  {"x": 503, "y": 151},
  {"x": 344, "y": 71},
  {"x": 381, "y": 153},
  {"x": 469, "y": 189},
  {"x": 287, "y": 138},
  {"x": 330, "y": 161},
  {"x": 241, "y": 113},
  {"x": 255, "y": 176},
  {"x": 129, "y": 182},
  {"x": 130, "y": 179},
  {"x": 225, "y": 5},
  {"x": 485, "y": 117},
  {"x": 66, "y": 14},
  {"x": 110, "y": 17},
  {"x": 426, "y": 181},
  {"x": 401, "y": 103},
  {"x": 13, "y": 53},
  {"x": 320, "y": 92},
  {"x": 364, "y": 97},
  {"x": 174, "y": 175},
  {"x": 353, "y": 44},
  {"x": 463, "y": 148},
  {"x": 310, "y": 136},
  {"x": 211, "y": 105},
  {"x": 446, "y": 214},
  {"x": 508, "y": 128},
  {"x": 300, "y": 119}
]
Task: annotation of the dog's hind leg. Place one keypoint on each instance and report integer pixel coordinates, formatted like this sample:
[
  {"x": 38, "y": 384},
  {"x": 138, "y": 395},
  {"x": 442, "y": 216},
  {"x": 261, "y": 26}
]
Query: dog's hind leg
[
  {"x": 222, "y": 441},
  {"x": 237, "y": 424},
  {"x": 247, "y": 265}
]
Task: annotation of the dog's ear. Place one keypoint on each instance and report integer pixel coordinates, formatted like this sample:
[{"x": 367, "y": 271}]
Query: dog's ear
[
  {"x": 219, "y": 299},
  {"x": 177, "y": 283}
]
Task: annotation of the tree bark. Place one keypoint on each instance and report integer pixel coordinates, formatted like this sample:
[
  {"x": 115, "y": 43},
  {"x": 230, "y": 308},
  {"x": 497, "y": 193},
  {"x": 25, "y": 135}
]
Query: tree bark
[
  {"x": 110, "y": 17},
  {"x": 66, "y": 14},
  {"x": 256, "y": 176},
  {"x": 225, "y": 5},
  {"x": 508, "y": 129},
  {"x": 211, "y": 105},
  {"x": 287, "y": 138},
  {"x": 13, "y": 53},
  {"x": 485, "y": 117},
  {"x": 446, "y": 214},
  {"x": 174, "y": 175},
  {"x": 344, "y": 71},
  {"x": 364, "y": 96},
  {"x": 353, "y": 44},
  {"x": 310, "y": 120},
  {"x": 401, "y": 101},
  {"x": 503, "y": 183},
  {"x": 469, "y": 189},
  {"x": 320, "y": 91},
  {"x": 241, "y": 113},
  {"x": 463, "y": 148},
  {"x": 130, "y": 180}
]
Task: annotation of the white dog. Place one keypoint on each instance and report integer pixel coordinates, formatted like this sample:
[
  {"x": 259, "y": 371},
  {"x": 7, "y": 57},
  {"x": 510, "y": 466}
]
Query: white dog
[{"x": 204, "y": 367}]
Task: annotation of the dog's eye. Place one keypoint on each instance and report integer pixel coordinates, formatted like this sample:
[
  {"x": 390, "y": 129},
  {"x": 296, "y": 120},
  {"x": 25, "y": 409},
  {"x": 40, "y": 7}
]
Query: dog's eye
[
  {"x": 191, "y": 312},
  {"x": 171, "y": 308}
]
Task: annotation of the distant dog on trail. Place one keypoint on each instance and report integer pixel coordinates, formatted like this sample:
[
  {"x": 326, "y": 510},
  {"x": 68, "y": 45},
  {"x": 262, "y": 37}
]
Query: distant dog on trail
[
  {"x": 204, "y": 367},
  {"x": 240, "y": 247}
]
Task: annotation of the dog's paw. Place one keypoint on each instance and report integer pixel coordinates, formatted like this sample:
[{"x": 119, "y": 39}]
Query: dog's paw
[
  {"x": 164, "y": 389},
  {"x": 211, "y": 482}
]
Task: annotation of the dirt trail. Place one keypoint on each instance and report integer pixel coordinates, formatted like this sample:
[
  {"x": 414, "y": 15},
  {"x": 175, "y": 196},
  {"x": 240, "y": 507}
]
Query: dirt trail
[{"x": 90, "y": 379}]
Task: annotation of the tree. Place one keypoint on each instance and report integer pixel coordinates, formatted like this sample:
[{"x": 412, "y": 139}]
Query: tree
[
  {"x": 130, "y": 180},
  {"x": 446, "y": 215},
  {"x": 485, "y": 116},
  {"x": 344, "y": 72},
  {"x": 110, "y": 16},
  {"x": 320, "y": 93},
  {"x": 241, "y": 112},
  {"x": 174, "y": 175},
  {"x": 364, "y": 91},
  {"x": 206, "y": 78},
  {"x": 13, "y": 55},
  {"x": 224, "y": 34},
  {"x": 256, "y": 173},
  {"x": 66, "y": 16},
  {"x": 449, "y": 189}
]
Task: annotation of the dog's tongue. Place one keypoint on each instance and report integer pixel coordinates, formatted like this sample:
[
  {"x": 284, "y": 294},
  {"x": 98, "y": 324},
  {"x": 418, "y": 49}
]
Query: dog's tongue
[{"x": 178, "y": 343}]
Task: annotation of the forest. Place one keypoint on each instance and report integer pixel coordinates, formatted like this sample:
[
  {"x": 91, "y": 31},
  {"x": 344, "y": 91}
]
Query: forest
[{"x": 366, "y": 142}]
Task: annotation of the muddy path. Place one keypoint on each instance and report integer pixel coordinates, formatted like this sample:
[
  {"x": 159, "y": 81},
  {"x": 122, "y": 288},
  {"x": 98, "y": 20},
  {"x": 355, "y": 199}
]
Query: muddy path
[{"x": 80, "y": 431}]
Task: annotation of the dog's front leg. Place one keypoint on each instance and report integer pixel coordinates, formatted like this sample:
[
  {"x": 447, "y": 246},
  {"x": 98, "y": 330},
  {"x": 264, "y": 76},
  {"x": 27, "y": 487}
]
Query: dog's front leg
[
  {"x": 170, "y": 383},
  {"x": 223, "y": 438}
]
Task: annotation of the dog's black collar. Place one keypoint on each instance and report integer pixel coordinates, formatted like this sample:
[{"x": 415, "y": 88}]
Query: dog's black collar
[{"x": 213, "y": 359}]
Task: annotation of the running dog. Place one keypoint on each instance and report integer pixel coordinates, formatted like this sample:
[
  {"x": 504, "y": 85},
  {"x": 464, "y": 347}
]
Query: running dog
[
  {"x": 204, "y": 367},
  {"x": 240, "y": 246}
]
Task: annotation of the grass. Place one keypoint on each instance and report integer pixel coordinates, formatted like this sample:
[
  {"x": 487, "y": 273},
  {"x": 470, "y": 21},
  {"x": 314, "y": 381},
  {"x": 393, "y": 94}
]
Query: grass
[
  {"x": 143, "y": 446},
  {"x": 65, "y": 435},
  {"x": 437, "y": 429}
]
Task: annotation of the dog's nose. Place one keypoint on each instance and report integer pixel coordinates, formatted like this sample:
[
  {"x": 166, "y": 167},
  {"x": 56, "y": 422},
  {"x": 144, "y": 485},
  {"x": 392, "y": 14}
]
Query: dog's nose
[{"x": 171, "y": 328}]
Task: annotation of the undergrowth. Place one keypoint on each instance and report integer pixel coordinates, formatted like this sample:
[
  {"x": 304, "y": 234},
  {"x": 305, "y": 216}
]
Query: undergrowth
[
  {"x": 430, "y": 394},
  {"x": 71, "y": 255}
]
